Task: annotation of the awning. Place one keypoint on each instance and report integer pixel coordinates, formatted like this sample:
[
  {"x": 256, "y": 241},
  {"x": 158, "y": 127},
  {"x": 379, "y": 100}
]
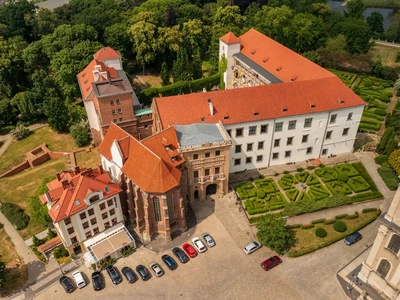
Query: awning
[
  {"x": 109, "y": 241},
  {"x": 50, "y": 244}
]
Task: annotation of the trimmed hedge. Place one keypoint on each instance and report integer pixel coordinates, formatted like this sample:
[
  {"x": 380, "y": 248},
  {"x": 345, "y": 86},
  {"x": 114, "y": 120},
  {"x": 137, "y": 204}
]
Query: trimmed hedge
[
  {"x": 366, "y": 196},
  {"x": 312, "y": 179},
  {"x": 328, "y": 222},
  {"x": 363, "y": 172},
  {"x": 294, "y": 226},
  {"x": 326, "y": 174},
  {"x": 267, "y": 184},
  {"x": 15, "y": 215},
  {"x": 292, "y": 194},
  {"x": 260, "y": 194},
  {"x": 320, "y": 232},
  {"x": 343, "y": 177},
  {"x": 303, "y": 196},
  {"x": 366, "y": 210},
  {"x": 318, "y": 192},
  {"x": 346, "y": 169},
  {"x": 338, "y": 217},
  {"x": 389, "y": 176},
  {"x": 307, "y": 226},
  {"x": 302, "y": 176},
  {"x": 381, "y": 159},
  {"x": 287, "y": 181},
  {"x": 355, "y": 216},
  {"x": 358, "y": 184},
  {"x": 338, "y": 188},
  {"x": 317, "y": 221},
  {"x": 339, "y": 226}
]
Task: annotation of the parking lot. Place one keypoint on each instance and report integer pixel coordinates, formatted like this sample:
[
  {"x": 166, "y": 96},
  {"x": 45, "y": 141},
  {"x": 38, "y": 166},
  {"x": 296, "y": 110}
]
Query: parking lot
[{"x": 224, "y": 271}]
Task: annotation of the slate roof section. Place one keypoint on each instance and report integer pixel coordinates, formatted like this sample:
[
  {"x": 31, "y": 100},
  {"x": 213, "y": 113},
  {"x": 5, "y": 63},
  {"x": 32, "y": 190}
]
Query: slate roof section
[{"x": 198, "y": 134}]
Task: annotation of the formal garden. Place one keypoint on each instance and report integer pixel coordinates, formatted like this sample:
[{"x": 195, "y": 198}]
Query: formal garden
[
  {"x": 307, "y": 190},
  {"x": 375, "y": 91}
]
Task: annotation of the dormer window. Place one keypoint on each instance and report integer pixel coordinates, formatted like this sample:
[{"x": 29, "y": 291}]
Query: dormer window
[
  {"x": 226, "y": 117},
  {"x": 255, "y": 113},
  {"x": 107, "y": 190},
  {"x": 94, "y": 199},
  {"x": 312, "y": 106},
  {"x": 202, "y": 119},
  {"x": 284, "y": 109}
]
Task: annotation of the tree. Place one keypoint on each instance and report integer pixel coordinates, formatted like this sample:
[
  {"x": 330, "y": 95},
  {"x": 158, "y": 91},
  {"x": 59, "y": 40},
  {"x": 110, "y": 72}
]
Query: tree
[
  {"x": 24, "y": 102},
  {"x": 7, "y": 112},
  {"x": 357, "y": 35},
  {"x": 38, "y": 212},
  {"x": 50, "y": 234},
  {"x": 197, "y": 64},
  {"x": 188, "y": 12},
  {"x": 57, "y": 114},
  {"x": 164, "y": 74},
  {"x": 80, "y": 133},
  {"x": 195, "y": 35},
  {"x": 377, "y": 68},
  {"x": 355, "y": 8},
  {"x": 375, "y": 23},
  {"x": 384, "y": 140},
  {"x": 20, "y": 131},
  {"x": 44, "y": 22},
  {"x": 180, "y": 69},
  {"x": 321, "y": 10},
  {"x": 394, "y": 161},
  {"x": 116, "y": 36},
  {"x": 272, "y": 232}
]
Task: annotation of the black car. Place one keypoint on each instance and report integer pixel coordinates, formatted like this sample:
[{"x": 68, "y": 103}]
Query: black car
[
  {"x": 129, "y": 274},
  {"x": 353, "y": 238},
  {"x": 114, "y": 275},
  {"x": 169, "y": 262},
  {"x": 143, "y": 272},
  {"x": 97, "y": 281},
  {"x": 178, "y": 252},
  {"x": 66, "y": 284}
]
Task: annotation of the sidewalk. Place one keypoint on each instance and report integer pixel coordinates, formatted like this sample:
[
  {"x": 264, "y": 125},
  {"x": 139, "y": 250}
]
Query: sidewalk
[{"x": 40, "y": 235}]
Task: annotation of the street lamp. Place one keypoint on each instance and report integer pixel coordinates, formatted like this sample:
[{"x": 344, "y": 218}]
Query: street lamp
[{"x": 62, "y": 272}]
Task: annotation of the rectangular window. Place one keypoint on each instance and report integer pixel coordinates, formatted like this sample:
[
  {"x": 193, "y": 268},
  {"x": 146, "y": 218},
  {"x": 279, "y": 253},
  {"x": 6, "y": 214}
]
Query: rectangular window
[
  {"x": 333, "y": 119},
  {"x": 238, "y": 148},
  {"x": 91, "y": 212},
  {"x": 115, "y": 121},
  {"x": 93, "y": 221},
  {"x": 307, "y": 122},
  {"x": 288, "y": 153},
  {"x": 252, "y": 130},
  {"x": 102, "y": 206},
  {"x": 171, "y": 209},
  {"x": 157, "y": 209},
  {"x": 112, "y": 212},
  {"x": 277, "y": 142},
  {"x": 260, "y": 145},
  {"x": 216, "y": 170},
  {"x": 104, "y": 215},
  {"x": 74, "y": 240},
  {"x": 239, "y": 132},
  {"x": 70, "y": 230},
  {"x": 248, "y": 160},
  {"x": 195, "y": 156},
  {"x": 206, "y": 172},
  {"x": 324, "y": 151},
  {"x": 289, "y": 141},
  {"x": 120, "y": 110},
  {"x": 113, "y": 112},
  {"x": 118, "y": 101},
  {"x": 278, "y": 126},
  {"x": 275, "y": 155},
  {"x": 309, "y": 150},
  {"x": 120, "y": 119},
  {"x": 237, "y": 161},
  {"x": 82, "y": 216},
  {"x": 207, "y": 154},
  {"x": 292, "y": 125},
  {"x": 350, "y": 116},
  {"x": 229, "y": 131},
  {"x": 109, "y": 202},
  {"x": 328, "y": 135},
  {"x": 264, "y": 129},
  {"x": 95, "y": 230},
  {"x": 88, "y": 234},
  {"x": 196, "y": 174},
  {"x": 346, "y": 131},
  {"x": 67, "y": 221},
  {"x": 112, "y": 102},
  {"x": 259, "y": 158},
  {"x": 305, "y": 138},
  {"x": 250, "y": 147},
  {"x": 217, "y": 153},
  {"x": 85, "y": 225},
  {"x": 114, "y": 221}
]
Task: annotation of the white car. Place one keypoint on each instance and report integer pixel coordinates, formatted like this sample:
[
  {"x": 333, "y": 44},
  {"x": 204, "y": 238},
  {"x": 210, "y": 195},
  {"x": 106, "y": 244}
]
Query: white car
[
  {"x": 155, "y": 267},
  {"x": 250, "y": 248},
  {"x": 80, "y": 282},
  {"x": 198, "y": 244}
]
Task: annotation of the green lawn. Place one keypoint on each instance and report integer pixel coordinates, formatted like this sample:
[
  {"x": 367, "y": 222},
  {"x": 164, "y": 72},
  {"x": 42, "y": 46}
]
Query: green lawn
[
  {"x": 15, "y": 153},
  {"x": 386, "y": 54},
  {"x": 88, "y": 159}
]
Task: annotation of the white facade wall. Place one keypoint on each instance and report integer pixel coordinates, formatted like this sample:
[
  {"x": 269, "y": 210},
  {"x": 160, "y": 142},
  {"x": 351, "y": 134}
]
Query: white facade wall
[
  {"x": 228, "y": 51},
  {"x": 113, "y": 63},
  {"x": 113, "y": 170},
  {"x": 94, "y": 121},
  {"x": 315, "y": 141}
]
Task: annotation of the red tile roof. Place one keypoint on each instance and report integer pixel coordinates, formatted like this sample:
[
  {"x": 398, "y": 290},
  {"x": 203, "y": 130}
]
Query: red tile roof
[
  {"x": 240, "y": 105},
  {"x": 106, "y": 53},
  {"x": 147, "y": 163},
  {"x": 67, "y": 194},
  {"x": 230, "y": 38},
  {"x": 278, "y": 60}
]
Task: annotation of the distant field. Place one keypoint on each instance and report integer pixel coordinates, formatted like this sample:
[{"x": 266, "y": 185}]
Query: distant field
[
  {"x": 386, "y": 54},
  {"x": 382, "y": 3}
]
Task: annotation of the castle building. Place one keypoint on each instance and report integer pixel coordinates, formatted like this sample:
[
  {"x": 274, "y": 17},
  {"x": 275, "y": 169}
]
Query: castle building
[
  {"x": 108, "y": 97},
  {"x": 85, "y": 208},
  {"x": 381, "y": 269}
]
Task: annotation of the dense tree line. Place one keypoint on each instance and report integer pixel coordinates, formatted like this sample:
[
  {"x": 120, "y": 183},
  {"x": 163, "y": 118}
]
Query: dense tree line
[{"x": 41, "y": 51}]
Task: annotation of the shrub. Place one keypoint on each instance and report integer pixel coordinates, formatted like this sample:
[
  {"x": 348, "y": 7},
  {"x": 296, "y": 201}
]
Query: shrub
[
  {"x": 20, "y": 131},
  {"x": 321, "y": 165},
  {"x": 389, "y": 176},
  {"x": 50, "y": 234},
  {"x": 15, "y": 215},
  {"x": 300, "y": 169},
  {"x": 307, "y": 226},
  {"x": 261, "y": 194},
  {"x": 317, "y": 221},
  {"x": 338, "y": 217},
  {"x": 251, "y": 179},
  {"x": 320, "y": 232},
  {"x": 310, "y": 167},
  {"x": 339, "y": 226},
  {"x": 80, "y": 133},
  {"x": 37, "y": 242},
  {"x": 328, "y": 222},
  {"x": 350, "y": 217},
  {"x": 276, "y": 174},
  {"x": 343, "y": 177},
  {"x": 286, "y": 172},
  {"x": 261, "y": 176},
  {"x": 363, "y": 172},
  {"x": 1, "y": 225},
  {"x": 366, "y": 210},
  {"x": 60, "y": 252}
]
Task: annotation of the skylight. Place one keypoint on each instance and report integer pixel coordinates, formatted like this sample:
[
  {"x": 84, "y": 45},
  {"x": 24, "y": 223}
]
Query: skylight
[
  {"x": 106, "y": 189},
  {"x": 58, "y": 206},
  {"x": 77, "y": 202}
]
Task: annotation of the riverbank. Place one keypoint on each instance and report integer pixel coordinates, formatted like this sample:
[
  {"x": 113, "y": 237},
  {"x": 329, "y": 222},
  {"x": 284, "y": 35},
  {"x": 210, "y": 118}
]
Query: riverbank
[{"x": 382, "y": 3}]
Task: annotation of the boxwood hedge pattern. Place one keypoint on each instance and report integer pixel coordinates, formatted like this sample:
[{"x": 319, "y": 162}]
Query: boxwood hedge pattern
[
  {"x": 302, "y": 176},
  {"x": 358, "y": 184},
  {"x": 270, "y": 202},
  {"x": 326, "y": 174},
  {"x": 347, "y": 169},
  {"x": 287, "y": 181},
  {"x": 267, "y": 184},
  {"x": 312, "y": 179},
  {"x": 318, "y": 192},
  {"x": 337, "y": 187},
  {"x": 292, "y": 194}
]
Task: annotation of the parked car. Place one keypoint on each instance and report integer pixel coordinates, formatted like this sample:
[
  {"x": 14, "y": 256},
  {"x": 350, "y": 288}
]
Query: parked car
[
  {"x": 353, "y": 238},
  {"x": 208, "y": 239},
  {"x": 97, "y": 281},
  {"x": 178, "y": 252},
  {"x": 169, "y": 262},
  {"x": 199, "y": 244},
  {"x": 155, "y": 267},
  {"x": 114, "y": 275},
  {"x": 66, "y": 284},
  {"x": 129, "y": 274},
  {"x": 271, "y": 262},
  {"x": 80, "y": 282},
  {"x": 250, "y": 248},
  {"x": 143, "y": 272},
  {"x": 189, "y": 250}
]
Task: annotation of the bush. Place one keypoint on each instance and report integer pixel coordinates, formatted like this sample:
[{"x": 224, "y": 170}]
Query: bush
[
  {"x": 321, "y": 165},
  {"x": 1, "y": 225},
  {"x": 286, "y": 172},
  {"x": 381, "y": 159},
  {"x": 15, "y": 215},
  {"x": 300, "y": 169},
  {"x": 328, "y": 222},
  {"x": 310, "y": 167},
  {"x": 251, "y": 179},
  {"x": 51, "y": 234},
  {"x": 276, "y": 174},
  {"x": 20, "y": 131},
  {"x": 366, "y": 210},
  {"x": 389, "y": 176},
  {"x": 350, "y": 217},
  {"x": 317, "y": 221},
  {"x": 80, "y": 133},
  {"x": 338, "y": 217},
  {"x": 320, "y": 232},
  {"x": 343, "y": 178},
  {"x": 37, "y": 242},
  {"x": 307, "y": 226},
  {"x": 339, "y": 226},
  {"x": 261, "y": 194},
  {"x": 60, "y": 252},
  {"x": 261, "y": 176}
]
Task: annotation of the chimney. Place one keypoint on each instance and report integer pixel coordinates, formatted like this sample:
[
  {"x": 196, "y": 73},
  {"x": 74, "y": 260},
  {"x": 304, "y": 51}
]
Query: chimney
[
  {"x": 101, "y": 170},
  {"x": 97, "y": 67},
  {"x": 211, "y": 107},
  {"x": 96, "y": 75},
  {"x": 64, "y": 183},
  {"x": 58, "y": 177},
  {"x": 77, "y": 170},
  {"x": 104, "y": 74}
]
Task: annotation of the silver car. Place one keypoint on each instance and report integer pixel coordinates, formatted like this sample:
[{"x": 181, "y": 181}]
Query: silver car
[
  {"x": 155, "y": 267},
  {"x": 250, "y": 248},
  {"x": 208, "y": 239}
]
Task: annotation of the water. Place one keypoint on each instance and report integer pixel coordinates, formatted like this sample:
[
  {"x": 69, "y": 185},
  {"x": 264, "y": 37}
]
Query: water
[{"x": 387, "y": 13}]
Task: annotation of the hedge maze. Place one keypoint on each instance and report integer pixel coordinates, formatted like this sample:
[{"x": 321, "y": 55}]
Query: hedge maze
[
  {"x": 292, "y": 194},
  {"x": 326, "y": 174},
  {"x": 338, "y": 187},
  {"x": 358, "y": 184},
  {"x": 302, "y": 176},
  {"x": 318, "y": 192},
  {"x": 287, "y": 181},
  {"x": 313, "y": 179}
]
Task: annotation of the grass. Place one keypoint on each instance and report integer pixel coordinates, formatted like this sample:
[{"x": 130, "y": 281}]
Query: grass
[
  {"x": 308, "y": 242},
  {"x": 382, "y": 3},
  {"x": 16, "y": 277},
  {"x": 389, "y": 176},
  {"x": 18, "y": 188},
  {"x": 88, "y": 159},
  {"x": 15, "y": 153},
  {"x": 386, "y": 54}
]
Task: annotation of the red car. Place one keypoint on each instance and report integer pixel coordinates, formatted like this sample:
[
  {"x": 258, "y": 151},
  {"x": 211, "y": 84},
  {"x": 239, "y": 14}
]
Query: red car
[
  {"x": 189, "y": 250},
  {"x": 270, "y": 263}
]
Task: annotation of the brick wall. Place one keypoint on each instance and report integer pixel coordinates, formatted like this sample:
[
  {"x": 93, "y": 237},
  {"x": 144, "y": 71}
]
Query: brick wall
[
  {"x": 106, "y": 109},
  {"x": 25, "y": 165},
  {"x": 40, "y": 159}
]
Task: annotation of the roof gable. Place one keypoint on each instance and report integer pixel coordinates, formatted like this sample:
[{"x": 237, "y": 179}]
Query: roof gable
[
  {"x": 106, "y": 53},
  {"x": 230, "y": 38}
]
